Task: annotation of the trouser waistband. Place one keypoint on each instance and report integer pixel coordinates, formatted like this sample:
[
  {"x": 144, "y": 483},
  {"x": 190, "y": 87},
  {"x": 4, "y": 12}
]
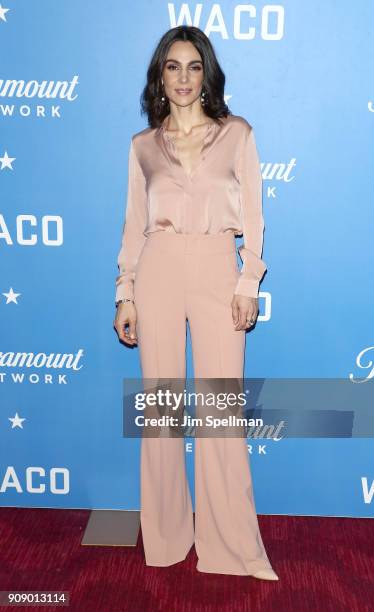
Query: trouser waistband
[{"x": 191, "y": 243}]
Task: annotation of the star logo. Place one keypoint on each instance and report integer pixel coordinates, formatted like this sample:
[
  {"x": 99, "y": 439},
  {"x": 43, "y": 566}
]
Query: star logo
[
  {"x": 16, "y": 421},
  {"x": 6, "y": 161},
  {"x": 11, "y": 296},
  {"x": 2, "y": 12}
]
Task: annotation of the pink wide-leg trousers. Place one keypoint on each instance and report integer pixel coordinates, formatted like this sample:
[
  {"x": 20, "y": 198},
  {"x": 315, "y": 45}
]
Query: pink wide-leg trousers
[{"x": 192, "y": 277}]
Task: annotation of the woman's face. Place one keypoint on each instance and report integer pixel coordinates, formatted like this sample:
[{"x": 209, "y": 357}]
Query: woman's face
[{"x": 183, "y": 73}]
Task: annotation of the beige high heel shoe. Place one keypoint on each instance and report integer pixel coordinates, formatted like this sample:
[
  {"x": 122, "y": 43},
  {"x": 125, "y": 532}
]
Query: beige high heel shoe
[{"x": 266, "y": 574}]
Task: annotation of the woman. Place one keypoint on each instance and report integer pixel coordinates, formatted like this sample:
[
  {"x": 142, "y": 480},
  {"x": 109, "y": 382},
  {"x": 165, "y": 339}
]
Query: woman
[{"x": 194, "y": 183}]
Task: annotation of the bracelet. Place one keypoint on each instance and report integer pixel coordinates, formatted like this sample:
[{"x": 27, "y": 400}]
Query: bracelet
[{"x": 124, "y": 300}]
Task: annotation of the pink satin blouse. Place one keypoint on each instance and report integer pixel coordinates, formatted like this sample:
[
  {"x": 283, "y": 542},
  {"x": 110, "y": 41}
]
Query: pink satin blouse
[{"x": 222, "y": 194}]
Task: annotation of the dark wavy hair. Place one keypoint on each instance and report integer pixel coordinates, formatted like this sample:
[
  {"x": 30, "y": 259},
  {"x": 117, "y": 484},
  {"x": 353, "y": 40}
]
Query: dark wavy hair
[{"x": 213, "y": 82}]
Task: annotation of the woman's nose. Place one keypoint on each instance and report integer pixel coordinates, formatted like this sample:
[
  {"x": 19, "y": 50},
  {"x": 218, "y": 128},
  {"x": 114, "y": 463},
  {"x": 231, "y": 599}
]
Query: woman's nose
[{"x": 183, "y": 77}]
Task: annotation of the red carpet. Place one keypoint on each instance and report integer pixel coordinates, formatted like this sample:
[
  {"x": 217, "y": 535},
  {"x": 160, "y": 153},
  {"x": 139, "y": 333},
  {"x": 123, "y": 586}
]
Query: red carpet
[{"x": 324, "y": 564}]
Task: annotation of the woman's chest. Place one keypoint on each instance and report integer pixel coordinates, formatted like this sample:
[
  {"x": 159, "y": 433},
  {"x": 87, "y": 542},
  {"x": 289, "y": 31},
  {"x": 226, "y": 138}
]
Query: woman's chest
[{"x": 203, "y": 166}]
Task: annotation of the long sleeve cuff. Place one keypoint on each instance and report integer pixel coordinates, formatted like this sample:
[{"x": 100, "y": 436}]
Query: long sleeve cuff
[
  {"x": 124, "y": 289},
  {"x": 251, "y": 273}
]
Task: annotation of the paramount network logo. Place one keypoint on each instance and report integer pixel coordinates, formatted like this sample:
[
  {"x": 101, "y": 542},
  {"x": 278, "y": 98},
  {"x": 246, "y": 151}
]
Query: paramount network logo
[
  {"x": 34, "y": 90},
  {"x": 364, "y": 361},
  {"x": 59, "y": 363}
]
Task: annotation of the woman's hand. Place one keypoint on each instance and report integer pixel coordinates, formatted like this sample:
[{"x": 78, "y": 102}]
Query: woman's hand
[
  {"x": 126, "y": 315},
  {"x": 244, "y": 311}
]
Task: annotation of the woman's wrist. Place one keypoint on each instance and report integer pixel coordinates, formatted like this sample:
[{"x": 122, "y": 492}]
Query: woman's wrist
[{"x": 123, "y": 300}]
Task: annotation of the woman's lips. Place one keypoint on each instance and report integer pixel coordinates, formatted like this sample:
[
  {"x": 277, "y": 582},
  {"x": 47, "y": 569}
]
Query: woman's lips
[{"x": 183, "y": 92}]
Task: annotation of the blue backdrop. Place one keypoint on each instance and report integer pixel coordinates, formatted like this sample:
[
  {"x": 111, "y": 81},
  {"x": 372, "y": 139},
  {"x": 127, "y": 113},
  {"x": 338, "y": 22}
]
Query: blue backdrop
[{"x": 70, "y": 79}]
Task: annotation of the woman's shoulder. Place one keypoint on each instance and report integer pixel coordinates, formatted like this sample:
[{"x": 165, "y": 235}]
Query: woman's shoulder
[
  {"x": 140, "y": 141},
  {"x": 138, "y": 136},
  {"x": 240, "y": 123}
]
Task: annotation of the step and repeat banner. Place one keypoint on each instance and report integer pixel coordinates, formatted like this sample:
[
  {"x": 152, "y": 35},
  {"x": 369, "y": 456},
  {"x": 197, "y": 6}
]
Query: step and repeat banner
[{"x": 71, "y": 74}]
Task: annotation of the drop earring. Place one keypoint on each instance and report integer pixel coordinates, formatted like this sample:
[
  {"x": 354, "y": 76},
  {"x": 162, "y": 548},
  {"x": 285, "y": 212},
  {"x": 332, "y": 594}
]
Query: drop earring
[{"x": 202, "y": 98}]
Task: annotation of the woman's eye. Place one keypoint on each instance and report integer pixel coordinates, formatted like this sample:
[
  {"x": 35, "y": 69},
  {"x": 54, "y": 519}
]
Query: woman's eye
[{"x": 174, "y": 67}]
